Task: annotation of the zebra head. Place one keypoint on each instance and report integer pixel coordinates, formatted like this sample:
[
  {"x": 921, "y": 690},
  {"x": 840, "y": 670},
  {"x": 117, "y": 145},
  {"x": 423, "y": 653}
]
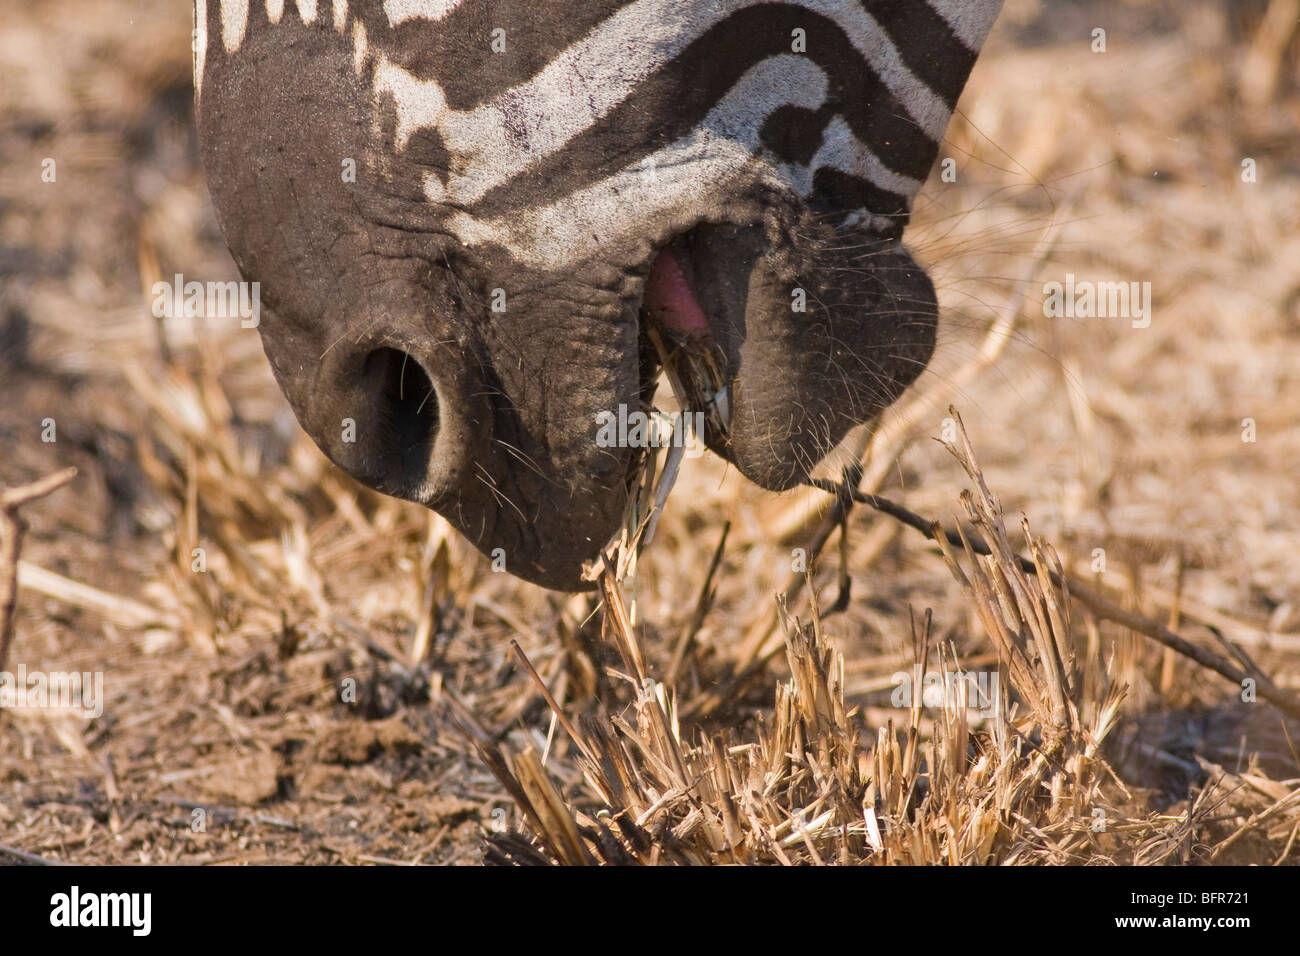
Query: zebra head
[{"x": 465, "y": 216}]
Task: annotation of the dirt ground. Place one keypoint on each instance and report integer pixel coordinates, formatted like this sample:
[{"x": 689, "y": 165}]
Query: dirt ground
[{"x": 314, "y": 693}]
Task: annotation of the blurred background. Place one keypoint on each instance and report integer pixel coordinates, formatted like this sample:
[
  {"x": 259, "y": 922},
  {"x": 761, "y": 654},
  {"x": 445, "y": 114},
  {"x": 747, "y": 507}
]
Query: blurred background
[{"x": 1171, "y": 158}]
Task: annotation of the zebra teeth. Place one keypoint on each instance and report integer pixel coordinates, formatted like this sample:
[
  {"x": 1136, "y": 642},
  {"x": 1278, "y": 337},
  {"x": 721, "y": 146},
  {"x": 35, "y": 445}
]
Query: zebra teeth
[{"x": 682, "y": 315}]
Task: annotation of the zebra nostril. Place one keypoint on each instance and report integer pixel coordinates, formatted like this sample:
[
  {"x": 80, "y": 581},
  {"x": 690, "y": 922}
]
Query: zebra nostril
[
  {"x": 380, "y": 417},
  {"x": 406, "y": 410}
]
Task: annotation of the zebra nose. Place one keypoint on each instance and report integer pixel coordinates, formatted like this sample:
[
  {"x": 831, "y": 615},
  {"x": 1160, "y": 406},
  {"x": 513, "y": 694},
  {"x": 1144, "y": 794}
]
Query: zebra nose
[{"x": 390, "y": 423}]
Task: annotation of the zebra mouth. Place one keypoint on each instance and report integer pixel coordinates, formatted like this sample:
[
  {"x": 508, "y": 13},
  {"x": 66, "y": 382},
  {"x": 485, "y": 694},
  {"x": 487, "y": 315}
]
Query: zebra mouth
[
  {"x": 697, "y": 289},
  {"x": 669, "y": 301},
  {"x": 802, "y": 358},
  {"x": 694, "y": 300}
]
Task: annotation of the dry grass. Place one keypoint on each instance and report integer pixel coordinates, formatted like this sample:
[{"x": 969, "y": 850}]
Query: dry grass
[
  {"x": 805, "y": 787},
  {"x": 725, "y": 698}
]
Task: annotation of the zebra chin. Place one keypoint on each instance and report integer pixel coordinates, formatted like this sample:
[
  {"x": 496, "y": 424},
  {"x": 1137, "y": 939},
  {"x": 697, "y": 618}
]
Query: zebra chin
[{"x": 817, "y": 337}]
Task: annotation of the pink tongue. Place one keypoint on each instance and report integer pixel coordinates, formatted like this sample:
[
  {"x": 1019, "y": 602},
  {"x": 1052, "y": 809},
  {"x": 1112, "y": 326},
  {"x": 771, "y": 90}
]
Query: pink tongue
[{"x": 669, "y": 300}]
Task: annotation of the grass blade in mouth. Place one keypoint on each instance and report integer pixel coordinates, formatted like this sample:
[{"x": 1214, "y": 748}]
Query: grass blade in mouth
[{"x": 698, "y": 385}]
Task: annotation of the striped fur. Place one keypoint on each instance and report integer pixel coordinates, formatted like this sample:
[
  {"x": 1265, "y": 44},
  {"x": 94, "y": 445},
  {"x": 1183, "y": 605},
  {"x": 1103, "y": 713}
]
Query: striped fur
[{"x": 855, "y": 122}]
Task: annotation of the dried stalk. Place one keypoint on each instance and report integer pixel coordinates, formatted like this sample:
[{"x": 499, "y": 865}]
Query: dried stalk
[
  {"x": 12, "y": 530},
  {"x": 1285, "y": 701}
]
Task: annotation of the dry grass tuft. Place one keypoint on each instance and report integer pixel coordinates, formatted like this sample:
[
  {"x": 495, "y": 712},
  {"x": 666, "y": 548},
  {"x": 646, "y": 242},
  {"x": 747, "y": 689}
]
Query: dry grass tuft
[{"x": 812, "y": 785}]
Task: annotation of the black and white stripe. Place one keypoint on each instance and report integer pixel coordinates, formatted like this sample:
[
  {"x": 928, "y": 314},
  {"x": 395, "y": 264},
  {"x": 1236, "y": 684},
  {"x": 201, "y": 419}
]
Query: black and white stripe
[{"x": 561, "y": 146}]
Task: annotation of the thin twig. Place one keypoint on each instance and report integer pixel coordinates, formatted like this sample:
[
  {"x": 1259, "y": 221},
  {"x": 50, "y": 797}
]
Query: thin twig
[
  {"x": 702, "y": 606},
  {"x": 31, "y": 859},
  {"x": 12, "y": 529},
  {"x": 1099, "y": 606}
]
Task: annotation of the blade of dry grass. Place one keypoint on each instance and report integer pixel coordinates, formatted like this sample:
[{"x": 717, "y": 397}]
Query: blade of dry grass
[{"x": 12, "y": 529}]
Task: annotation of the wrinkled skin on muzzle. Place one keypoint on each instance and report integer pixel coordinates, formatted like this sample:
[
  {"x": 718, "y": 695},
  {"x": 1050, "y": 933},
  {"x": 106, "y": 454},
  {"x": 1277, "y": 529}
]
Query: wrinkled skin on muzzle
[{"x": 440, "y": 364}]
